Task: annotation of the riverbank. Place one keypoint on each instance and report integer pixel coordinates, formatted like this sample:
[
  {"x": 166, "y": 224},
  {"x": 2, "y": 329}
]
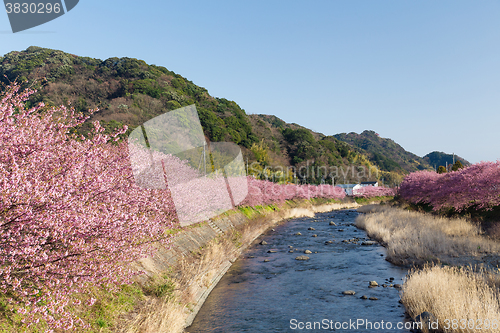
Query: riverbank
[
  {"x": 455, "y": 266},
  {"x": 180, "y": 278},
  {"x": 416, "y": 239}
]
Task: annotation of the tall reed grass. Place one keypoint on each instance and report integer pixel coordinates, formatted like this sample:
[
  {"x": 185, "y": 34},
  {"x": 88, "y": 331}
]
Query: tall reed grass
[
  {"x": 460, "y": 299},
  {"x": 412, "y": 237}
]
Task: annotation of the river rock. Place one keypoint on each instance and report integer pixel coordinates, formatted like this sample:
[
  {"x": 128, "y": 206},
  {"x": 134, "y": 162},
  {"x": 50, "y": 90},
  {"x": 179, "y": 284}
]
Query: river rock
[
  {"x": 311, "y": 228},
  {"x": 266, "y": 260},
  {"x": 369, "y": 243},
  {"x": 298, "y": 234},
  {"x": 373, "y": 284},
  {"x": 349, "y": 292},
  {"x": 272, "y": 251},
  {"x": 263, "y": 242},
  {"x": 329, "y": 242},
  {"x": 307, "y": 252},
  {"x": 302, "y": 258},
  {"x": 315, "y": 235},
  {"x": 291, "y": 251},
  {"x": 332, "y": 223},
  {"x": 426, "y": 318},
  {"x": 398, "y": 286},
  {"x": 373, "y": 298},
  {"x": 341, "y": 230},
  {"x": 364, "y": 297}
]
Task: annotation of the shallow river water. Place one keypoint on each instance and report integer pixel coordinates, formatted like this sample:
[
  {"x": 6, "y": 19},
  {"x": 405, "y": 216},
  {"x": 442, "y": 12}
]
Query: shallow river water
[{"x": 288, "y": 295}]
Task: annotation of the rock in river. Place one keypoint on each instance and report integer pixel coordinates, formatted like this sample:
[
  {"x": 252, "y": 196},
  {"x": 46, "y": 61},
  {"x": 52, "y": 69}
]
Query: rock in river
[
  {"x": 263, "y": 243},
  {"x": 349, "y": 292},
  {"x": 426, "y": 318},
  {"x": 302, "y": 258},
  {"x": 373, "y": 284},
  {"x": 307, "y": 252}
]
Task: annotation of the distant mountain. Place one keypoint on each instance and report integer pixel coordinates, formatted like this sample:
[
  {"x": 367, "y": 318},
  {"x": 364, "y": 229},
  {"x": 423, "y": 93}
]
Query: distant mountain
[
  {"x": 385, "y": 152},
  {"x": 437, "y": 158}
]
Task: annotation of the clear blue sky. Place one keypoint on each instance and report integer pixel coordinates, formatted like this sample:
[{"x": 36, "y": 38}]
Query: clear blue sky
[{"x": 423, "y": 73}]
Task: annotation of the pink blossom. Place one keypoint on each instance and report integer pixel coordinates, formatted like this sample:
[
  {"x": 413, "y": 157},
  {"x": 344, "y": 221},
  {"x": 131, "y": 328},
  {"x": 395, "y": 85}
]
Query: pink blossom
[{"x": 477, "y": 186}]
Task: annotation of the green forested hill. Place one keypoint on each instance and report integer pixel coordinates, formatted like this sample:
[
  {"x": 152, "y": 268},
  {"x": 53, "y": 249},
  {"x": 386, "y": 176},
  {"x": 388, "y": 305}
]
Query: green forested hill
[
  {"x": 385, "y": 152},
  {"x": 129, "y": 92},
  {"x": 437, "y": 158}
]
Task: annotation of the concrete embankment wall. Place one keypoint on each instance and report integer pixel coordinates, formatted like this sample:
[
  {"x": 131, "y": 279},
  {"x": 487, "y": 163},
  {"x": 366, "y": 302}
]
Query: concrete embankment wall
[{"x": 194, "y": 239}]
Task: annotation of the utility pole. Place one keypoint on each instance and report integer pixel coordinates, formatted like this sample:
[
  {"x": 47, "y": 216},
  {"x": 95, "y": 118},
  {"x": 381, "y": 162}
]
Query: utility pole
[{"x": 204, "y": 160}]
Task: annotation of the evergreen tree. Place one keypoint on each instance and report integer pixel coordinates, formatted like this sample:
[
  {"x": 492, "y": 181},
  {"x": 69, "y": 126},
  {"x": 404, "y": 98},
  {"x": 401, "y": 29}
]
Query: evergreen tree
[{"x": 458, "y": 165}]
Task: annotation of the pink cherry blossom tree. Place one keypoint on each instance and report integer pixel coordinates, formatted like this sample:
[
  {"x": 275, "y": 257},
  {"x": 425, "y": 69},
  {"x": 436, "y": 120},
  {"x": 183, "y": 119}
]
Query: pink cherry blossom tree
[
  {"x": 477, "y": 186},
  {"x": 70, "y": 213}
]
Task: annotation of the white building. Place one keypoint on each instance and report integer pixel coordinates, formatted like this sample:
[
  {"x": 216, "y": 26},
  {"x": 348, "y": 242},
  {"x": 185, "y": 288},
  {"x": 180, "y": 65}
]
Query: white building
[
  {"x": 374, "y": 184},
  {"x": 349, "y": 188}
]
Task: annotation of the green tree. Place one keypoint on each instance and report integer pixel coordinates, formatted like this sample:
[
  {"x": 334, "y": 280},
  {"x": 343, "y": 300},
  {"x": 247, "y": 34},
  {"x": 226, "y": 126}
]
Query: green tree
[
  {"x": 458, "y": 165},
  {"x": 260, "y": 151},
  {"x": 441, "y": 169}
]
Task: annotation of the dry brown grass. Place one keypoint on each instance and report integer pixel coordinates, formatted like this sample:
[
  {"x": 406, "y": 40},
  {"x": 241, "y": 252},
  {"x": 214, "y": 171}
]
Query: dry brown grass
[
  {"x": 449, "y": 293},
  {"x": 156, "y": 315},
  {"x": 412, "y": 237},
  {"x": 192, "y": 274}
]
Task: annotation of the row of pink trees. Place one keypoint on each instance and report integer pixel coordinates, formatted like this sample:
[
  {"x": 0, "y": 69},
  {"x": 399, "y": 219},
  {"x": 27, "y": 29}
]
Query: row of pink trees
[
  {"x": 372, "y": 191},
  {"x": 263, "y": 192},
  {"x": 70, "y": 212},
  {"x": 477, "y": 186}
]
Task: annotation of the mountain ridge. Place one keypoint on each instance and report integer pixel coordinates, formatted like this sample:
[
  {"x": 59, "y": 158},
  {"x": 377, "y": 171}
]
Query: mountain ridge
[{"x": 129, "y": 92}]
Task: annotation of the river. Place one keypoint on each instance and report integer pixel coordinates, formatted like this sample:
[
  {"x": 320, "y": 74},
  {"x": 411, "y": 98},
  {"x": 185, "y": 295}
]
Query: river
[{"x": 266, "y": 291}]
